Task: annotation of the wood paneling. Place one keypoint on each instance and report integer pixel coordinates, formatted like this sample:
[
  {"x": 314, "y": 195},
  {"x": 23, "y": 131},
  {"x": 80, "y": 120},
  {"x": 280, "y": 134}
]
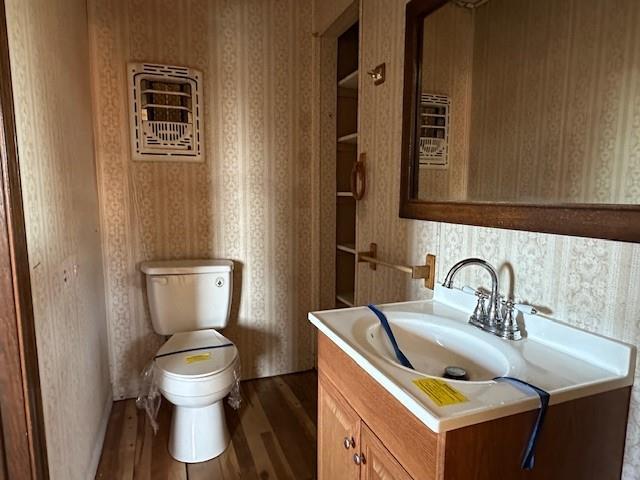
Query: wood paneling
[{"x": 272, "y": 437}]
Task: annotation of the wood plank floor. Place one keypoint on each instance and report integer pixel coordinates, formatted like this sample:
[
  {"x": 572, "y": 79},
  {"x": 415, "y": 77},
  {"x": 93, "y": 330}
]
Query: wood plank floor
[{"x": 273, "y": 437}]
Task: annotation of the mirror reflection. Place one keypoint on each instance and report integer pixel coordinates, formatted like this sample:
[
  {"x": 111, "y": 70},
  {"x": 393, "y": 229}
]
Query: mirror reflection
[{"x": 530, "y": 101}]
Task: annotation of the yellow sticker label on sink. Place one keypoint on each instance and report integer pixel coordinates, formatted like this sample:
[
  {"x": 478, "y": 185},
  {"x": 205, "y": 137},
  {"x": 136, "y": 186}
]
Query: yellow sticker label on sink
[
  {"x": 440, "y": 391},
  {"x": 200, "y": 357}
]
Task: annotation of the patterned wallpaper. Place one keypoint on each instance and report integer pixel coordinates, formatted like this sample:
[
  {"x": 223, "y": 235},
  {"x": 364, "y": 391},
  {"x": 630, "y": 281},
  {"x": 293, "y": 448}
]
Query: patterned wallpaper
[
  {"x": 326, "y": 11},
  {"x": 586, "y": 282},
  {"x": 327, "y": 72},
  {"x": 251, "y": 199},
  {"x": 55, "y": 141}
]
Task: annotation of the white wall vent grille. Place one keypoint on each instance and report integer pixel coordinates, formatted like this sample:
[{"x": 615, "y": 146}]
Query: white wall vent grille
[
  {"x": 165, "y": 104},
  {"x": 434, "y": 130}
]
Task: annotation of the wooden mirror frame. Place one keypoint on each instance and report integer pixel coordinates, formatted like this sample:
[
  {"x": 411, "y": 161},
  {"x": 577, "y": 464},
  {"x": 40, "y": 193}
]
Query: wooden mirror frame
[{"x": 613, "y": 222}]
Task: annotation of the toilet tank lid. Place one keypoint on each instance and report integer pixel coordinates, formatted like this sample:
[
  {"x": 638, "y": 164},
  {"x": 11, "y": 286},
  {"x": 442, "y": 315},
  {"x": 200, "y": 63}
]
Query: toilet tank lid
[{"x": 185, "y": 267}]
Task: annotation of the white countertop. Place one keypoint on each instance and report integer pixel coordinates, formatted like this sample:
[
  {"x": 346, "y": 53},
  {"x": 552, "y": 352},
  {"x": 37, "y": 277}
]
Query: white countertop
[{"x": 566, "y": 362}]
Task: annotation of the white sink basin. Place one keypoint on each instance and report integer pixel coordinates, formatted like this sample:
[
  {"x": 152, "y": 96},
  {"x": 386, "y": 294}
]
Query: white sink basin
[
  {"x": 567, "y": 362},
  {"x": 432, "y": 344}
]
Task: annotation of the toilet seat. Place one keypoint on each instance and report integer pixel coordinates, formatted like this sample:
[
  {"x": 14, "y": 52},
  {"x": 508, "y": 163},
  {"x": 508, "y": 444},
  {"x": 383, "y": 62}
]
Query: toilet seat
[{"x": 196, "y": 355}]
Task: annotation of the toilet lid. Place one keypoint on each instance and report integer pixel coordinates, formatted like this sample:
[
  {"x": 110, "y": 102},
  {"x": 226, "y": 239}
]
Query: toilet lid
[{"x": 196, "y": 354}]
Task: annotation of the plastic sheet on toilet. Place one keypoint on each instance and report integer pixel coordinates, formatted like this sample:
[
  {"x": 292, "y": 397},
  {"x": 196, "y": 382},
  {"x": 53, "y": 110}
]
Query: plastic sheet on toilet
[
  {"x": 149, "y": 396},
  {"x": 234, "y": 399}
]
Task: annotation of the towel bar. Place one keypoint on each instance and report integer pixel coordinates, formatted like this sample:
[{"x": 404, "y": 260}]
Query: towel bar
[{"x": 426, "y": 271}]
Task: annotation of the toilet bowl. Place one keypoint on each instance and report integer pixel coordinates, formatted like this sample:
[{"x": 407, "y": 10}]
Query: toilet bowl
[
  {"x": 195, "y": 371},
  {"x": 196, "y": 368}
]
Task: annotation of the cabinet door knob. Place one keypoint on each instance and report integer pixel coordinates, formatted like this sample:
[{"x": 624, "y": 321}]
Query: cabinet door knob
[
  {"x": 359, "y": 459},
  {"x": 349, "y": 443}
]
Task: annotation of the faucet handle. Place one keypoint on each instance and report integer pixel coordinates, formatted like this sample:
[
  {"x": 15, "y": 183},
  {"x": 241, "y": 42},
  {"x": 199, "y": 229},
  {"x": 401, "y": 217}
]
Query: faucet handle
[
  {"x": 479, "y": 315},
  {"x": 510, "y": 328},
  {"x": 507, "y": 305}
]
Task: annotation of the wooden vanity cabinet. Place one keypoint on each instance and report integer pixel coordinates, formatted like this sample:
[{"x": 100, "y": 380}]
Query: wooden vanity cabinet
[
  {"x": 347, "y": 448},
  {"x": 365, "y": 433},
  {"x": 377, "y": 463},
  {"x": 338, "y": 435}
]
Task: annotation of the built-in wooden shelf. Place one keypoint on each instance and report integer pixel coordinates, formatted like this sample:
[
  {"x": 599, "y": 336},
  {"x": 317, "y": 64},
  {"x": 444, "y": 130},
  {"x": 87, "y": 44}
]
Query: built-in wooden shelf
[
  {"x": 346, "y": 298},
  {"x": 344, "y": 194},
  {"x": 347, "y": 247},
  {"x": 346, "y": 118},
  {"x": 350, "y": 81},
  {"x": 352, "y": 139}
]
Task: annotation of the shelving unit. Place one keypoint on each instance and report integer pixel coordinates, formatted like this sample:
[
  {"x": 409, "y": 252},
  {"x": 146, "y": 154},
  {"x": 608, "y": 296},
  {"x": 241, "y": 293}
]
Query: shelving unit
[
  {"x": 346, "y": 299},
  {"x": 351, "y": 139},
  {"x": 346, "y": 156},
  {"x": 347, "y": 247},
  {"x": 350, "y": 81}
]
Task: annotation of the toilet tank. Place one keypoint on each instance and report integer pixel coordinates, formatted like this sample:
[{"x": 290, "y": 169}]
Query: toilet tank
[{"x": 187, "y": 295}]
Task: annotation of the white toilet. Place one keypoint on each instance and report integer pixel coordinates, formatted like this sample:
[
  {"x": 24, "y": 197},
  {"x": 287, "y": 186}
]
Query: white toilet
[{"x": 188, "y": 299}]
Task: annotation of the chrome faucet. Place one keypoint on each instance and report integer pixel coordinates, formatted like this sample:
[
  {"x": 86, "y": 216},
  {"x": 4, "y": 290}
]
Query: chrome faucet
[{"x": 490, "y": 321}]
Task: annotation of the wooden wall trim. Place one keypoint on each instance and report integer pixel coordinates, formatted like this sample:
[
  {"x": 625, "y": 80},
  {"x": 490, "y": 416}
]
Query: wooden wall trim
[
  {"x": 22, "y": 420},
  {"x": 612, "y": 222},
  {"x": 416, "y": 10}
]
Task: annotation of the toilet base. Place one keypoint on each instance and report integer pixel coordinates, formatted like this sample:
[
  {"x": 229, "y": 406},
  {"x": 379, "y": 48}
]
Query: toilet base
[{"x": 198, "y": 434}]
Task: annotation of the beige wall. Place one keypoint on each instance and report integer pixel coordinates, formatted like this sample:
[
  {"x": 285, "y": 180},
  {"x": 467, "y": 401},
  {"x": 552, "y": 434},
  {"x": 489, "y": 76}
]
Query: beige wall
[
  {"x": 586, "y": 282},
  {"x": 561, "y": 123},
  {"x": 328, "y": 98},
  {"x": 325, "y": 12},
  {"x": 50, "y": 70},
  {"x": 250, "y": 200}
]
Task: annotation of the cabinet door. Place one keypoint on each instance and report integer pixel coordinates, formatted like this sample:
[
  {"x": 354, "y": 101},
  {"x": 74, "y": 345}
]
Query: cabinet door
[
  {"x": 377, "y": 462},
  {"x": 338, "y": 435}
]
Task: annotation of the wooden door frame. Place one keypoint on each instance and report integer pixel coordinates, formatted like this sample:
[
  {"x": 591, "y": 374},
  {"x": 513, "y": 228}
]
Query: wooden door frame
[{"x": 21, "y": 418}]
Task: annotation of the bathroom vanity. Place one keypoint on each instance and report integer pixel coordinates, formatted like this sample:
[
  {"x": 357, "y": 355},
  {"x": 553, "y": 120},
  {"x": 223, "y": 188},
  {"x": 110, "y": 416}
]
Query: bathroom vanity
[{"x": 374, "y": 421}]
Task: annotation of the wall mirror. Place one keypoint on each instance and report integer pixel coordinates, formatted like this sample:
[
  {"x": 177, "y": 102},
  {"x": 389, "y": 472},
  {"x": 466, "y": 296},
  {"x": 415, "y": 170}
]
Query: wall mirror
[{"x": 523, "y": 114}]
